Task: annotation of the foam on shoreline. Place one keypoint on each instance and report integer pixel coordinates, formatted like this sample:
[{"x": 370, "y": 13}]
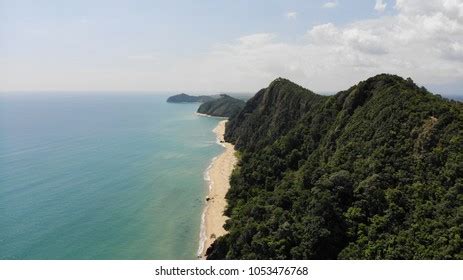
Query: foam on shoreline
[
  {"x": 217, "y": 175},
  {"x": 209, "y": 116}
]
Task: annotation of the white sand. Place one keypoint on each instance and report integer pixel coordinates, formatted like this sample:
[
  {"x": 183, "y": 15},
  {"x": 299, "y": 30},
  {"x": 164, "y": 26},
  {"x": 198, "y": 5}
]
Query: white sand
[{"x": 218, "y": 174}]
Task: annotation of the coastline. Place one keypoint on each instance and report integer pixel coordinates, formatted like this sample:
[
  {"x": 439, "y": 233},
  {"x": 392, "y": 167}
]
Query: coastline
[
  {"x": 218, "y": 175},
  {"x": 209, "y": 116}
]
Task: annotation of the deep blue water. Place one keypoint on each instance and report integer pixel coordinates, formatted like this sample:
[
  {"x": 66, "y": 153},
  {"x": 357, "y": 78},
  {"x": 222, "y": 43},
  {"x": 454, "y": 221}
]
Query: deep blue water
[{"x": 101, "y": 176}]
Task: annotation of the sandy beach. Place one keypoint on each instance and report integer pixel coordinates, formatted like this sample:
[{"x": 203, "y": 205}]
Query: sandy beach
[{"x": 218, "y": 175}]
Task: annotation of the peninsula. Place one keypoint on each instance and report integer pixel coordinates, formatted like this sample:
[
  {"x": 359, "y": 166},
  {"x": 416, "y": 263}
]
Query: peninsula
[
  {"x": 185, "y": 98},
  {"x": 224, "y": 106}
]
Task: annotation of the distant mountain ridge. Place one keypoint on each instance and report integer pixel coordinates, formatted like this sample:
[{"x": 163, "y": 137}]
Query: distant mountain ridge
[
  {"x": 372, "y": 172},
  {"x": 224, "y": 106},
  {"x": 185, "y": 98},
  {"x": 221, "y": 105}
]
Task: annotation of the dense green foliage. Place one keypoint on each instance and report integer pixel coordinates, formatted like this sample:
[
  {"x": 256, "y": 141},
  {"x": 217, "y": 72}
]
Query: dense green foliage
[
  {"x": 373, "y": 172},
  {"x": 185, "y": 98},
  {"x": 225, "y": 106}
]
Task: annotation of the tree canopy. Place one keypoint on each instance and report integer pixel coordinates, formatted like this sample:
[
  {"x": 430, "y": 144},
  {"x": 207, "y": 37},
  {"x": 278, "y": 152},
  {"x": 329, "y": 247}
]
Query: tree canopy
[{"x": 373, "y": 172}]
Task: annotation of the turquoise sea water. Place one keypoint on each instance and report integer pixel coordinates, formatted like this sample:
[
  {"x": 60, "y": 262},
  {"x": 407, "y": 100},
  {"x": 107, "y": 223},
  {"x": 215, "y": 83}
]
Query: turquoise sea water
[{"x": 101, "y": 176}]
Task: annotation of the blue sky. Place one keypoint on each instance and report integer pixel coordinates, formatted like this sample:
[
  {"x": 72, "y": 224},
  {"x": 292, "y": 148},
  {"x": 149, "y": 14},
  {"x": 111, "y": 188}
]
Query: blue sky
[
  {"x": 221, "y": 45},
  {"x": 171, "y": 26}
]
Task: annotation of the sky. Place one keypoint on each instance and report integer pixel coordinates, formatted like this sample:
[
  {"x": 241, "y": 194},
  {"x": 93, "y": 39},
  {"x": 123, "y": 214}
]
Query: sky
[{"x": 227, "y": 45}]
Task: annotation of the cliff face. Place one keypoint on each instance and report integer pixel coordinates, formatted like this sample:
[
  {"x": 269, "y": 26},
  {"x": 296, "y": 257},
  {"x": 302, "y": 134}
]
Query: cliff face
[
  {"x": 375, "y": 171},
  {"x": 224, "y": 106}
]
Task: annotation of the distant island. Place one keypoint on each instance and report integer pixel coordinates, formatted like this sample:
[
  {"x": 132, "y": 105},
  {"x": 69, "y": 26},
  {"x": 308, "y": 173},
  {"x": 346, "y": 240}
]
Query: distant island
[
  {"x": 224, "y": 106},
  {"x": 372, "y": 172},
  {"x": 185, "y": 98},
  {"x": 221, "y": 105}
]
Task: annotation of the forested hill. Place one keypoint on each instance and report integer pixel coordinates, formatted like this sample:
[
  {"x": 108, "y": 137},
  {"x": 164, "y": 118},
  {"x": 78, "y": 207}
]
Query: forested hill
[
  {"x": 185, "y": 98},
  {"x": 373, "y": 172},
  {"x": 224, "y": 106}
]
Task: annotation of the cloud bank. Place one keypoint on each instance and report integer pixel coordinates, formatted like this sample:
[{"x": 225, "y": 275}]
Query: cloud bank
[
  {"x": 421, "y": 39},
  {"x": 424, "y": 40}
]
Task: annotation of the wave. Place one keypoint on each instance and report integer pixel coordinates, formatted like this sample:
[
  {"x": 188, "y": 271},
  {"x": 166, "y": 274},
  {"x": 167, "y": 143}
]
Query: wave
[{"x": 207, "y": 178}]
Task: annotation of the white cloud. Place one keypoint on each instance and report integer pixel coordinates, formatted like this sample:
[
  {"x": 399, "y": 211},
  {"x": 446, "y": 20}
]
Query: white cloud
[
  {"x": 453, "y": 51},
  {"x": 424, "y": 43},
  {"x": 257, "y": 39},
  {"x": 423, "y": 40},
  {"x": 354, "y": 38},
  {"x": 291, "y": 15},
  {"x": 380, "y": 6},
  {"x": 324, "y": 33},
  {"x": 330, "y": 4}
]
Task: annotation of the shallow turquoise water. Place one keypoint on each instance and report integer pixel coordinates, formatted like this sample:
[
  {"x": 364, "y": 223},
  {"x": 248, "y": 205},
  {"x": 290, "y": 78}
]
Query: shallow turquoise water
[{"x": 101, "y": 176}]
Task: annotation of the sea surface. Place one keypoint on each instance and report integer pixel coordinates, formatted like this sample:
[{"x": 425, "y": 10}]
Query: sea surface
[{"x": 101, "y": 176}]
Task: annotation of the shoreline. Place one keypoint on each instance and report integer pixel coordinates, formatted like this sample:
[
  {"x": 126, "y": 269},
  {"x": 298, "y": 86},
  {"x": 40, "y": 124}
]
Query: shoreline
[
  {"x": 209, "y": 116},
  {"x": 218, "y": 175}
]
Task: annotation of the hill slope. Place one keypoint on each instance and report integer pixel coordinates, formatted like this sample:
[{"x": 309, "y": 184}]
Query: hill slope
[
  {"x": 185, "y": 98},
  {"x": 373, "y": 172},
  {"x": 225, "y": 106}
]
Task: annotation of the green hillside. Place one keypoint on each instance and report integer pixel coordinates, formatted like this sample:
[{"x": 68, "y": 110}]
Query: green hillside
[
  {"x": 224, "y": 106},
  {"x": 185, "y": 98},
  {"x": 373, "y": 172}
]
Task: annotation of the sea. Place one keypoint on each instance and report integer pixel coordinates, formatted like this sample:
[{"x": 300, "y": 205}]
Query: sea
[{"x": 101, "y": 176}]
